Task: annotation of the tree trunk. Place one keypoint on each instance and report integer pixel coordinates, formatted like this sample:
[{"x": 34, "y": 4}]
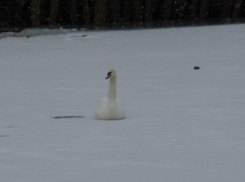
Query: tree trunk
[
  {"x": 204, "y": 9},
  {"x": 149, "y": 12},
  {"x": 74, "y": 11},
  {"x": 18, "y": 19},
  {"x": 194, "y": 9},
  {"x": 85, "y": 15},
  {"x": 54, "y": 5},
  {"x": 115, "y": 10},
  {"x": 226, "y": 10},
  {"x": 35, "y": 12},
  {"x": 180, "y": 8},
  {"x": 127, "y": 10},
  {"x": 167, "y": 9},
  {"x": 236, "y": 10},
  {"x": 100, "y": 12},
  {"x": 137, "y": 13}
]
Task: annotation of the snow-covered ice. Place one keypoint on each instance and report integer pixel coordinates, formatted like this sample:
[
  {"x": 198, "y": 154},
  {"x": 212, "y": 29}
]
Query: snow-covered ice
[{"x": 182, "y": 124}]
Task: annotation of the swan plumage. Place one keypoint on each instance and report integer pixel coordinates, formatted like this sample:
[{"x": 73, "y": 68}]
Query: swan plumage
[{"x": 110, "y": 108}]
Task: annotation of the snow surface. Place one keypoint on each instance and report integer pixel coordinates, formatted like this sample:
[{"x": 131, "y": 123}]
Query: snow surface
[{"x": 182, "y": 125}]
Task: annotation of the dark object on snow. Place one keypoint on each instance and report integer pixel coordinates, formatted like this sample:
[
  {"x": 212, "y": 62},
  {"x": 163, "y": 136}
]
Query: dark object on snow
[
  {"x": 63, "y": 117},
  {"x": 196, "y": 68}
]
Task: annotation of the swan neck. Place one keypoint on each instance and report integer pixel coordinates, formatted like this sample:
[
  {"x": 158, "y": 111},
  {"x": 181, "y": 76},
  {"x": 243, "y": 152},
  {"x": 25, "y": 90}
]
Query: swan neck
[{"x": 112, "y": 88}]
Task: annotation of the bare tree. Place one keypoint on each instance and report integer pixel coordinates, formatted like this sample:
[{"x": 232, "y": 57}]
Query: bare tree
[
  {"x": 127, "y": 10},
  {"x": 85, "y": 15},
  {"x": 137, "y": 13},
  {"x": 35, "y": 12},
  {"x": 74, "y": 11},
  {"x": 194, "y": 9},
  {"x": 18, "y": 19},
  {"x": 237, "y": 9},
  {"x": 100, "y": 12},
  {"x": 54, "y": 5},
  {"x": 226, "y": 10},
  {"x": 149, "y": 11},
  {"x": 204, "y": 9},
  {"x": 115, "y": 10},
  {"x": 167, "y": 9},
  {"x": 180, "y": 9}
]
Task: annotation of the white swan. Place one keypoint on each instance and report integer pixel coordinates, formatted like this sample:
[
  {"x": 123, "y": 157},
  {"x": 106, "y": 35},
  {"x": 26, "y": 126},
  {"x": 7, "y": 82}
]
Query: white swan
[{"x": 110, "y": 108}]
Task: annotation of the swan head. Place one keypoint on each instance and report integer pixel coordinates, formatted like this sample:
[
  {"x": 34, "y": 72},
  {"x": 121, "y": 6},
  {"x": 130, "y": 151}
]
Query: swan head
[{"x": 111, "y": 74}]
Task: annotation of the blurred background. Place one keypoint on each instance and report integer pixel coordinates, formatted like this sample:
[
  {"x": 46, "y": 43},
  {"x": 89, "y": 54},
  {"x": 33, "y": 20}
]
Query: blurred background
[{"x": 117, "y": 14}]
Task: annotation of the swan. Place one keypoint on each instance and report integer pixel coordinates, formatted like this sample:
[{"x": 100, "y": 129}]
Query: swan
[{"x": 110, "y": 107}]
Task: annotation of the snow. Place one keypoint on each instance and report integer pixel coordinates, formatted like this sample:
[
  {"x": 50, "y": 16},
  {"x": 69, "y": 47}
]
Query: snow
[{"x": 182, "y": 124}]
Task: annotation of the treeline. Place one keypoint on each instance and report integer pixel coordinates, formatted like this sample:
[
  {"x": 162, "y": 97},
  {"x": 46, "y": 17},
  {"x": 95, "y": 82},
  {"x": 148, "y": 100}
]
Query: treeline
[{"x": 118, "y": 13}]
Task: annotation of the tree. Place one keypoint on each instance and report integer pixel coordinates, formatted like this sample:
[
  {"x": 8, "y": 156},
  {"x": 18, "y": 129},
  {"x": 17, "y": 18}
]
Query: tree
[
  {"x": 236, "y": 9},
  {"x": 35, "y": 13},
  {"x": 114, "y": 7},
  {"x": 127, "y": 10},
  {"x": 137, "y": 12},
  {"x": 204, "y": 9},
  {"x": 100, "y": 12},
  {"x": 180, "y": 9},
  {"x": 84, "y": 12},
  {"x": 74, "y": 11},
  {"x": 167, "y": 9},
  {"x": 226, "y": 10},
  {"x": 194, "y": 9},
  {"x": 149, "y": 12},
  {"x": 18, "y": 19},
  {"x": 54, "y": 5}
]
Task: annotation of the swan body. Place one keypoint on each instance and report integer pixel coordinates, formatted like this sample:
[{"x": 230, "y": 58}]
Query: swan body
[{"x": 110, "y": 108}]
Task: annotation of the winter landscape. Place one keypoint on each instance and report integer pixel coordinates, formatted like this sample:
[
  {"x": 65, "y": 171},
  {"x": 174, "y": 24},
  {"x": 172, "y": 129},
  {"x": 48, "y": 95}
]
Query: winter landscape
[{"x": 181, "y": 125}]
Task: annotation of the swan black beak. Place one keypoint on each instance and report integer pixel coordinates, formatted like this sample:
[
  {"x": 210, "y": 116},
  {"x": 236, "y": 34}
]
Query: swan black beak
[{"x": 108, "y": 75}]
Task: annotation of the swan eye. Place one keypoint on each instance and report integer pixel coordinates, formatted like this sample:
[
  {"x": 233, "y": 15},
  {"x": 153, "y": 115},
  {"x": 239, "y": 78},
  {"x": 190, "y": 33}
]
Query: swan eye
[{"x": 108, "y": 75}]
